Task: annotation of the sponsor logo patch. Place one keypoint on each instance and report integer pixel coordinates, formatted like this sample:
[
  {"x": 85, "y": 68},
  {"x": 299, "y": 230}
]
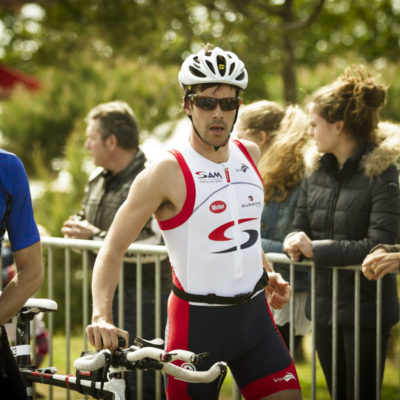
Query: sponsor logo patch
[
  {"x": 218, "y": 235},
  {"x": 217, "y": 207},
  {"x": 288, "y": 377},
  {"x": 209, "y": 177},
  {"x": 251, "y": 203},
  {"x": 243, "y": 168}
]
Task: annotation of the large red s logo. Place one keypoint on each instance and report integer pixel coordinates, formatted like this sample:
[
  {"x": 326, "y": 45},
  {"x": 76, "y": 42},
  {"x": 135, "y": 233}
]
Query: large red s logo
[{"x": 218, "y": 235}]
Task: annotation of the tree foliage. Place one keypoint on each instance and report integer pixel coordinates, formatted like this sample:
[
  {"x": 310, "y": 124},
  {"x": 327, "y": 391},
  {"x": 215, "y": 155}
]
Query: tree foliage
[
  {"x": 89, "y": 51},
  {"x": 45, "y": 119}
]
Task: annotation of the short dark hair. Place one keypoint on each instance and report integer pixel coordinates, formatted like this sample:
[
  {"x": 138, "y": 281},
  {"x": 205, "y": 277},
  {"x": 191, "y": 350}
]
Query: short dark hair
[{"x": 118, "y": 119}]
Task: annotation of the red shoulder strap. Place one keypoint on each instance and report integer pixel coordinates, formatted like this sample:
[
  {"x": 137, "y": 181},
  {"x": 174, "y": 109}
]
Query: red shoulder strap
[
  {"x": 188, "y": 206},
  {"x": 247, "y": 155}
]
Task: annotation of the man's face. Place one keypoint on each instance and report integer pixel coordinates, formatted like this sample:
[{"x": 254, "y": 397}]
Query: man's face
[
  {"x": 214, "y": 126},
  {"x": 95, "y": 144}
]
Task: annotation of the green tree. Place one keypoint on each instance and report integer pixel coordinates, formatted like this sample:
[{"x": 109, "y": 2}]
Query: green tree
[
  {"x": 103, "y": 49},
  {"x": 46, "y": 118}
]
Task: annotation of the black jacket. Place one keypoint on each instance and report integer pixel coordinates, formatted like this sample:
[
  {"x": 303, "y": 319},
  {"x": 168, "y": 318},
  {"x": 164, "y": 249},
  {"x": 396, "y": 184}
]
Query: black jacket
[{"x": 345, "y": 213}]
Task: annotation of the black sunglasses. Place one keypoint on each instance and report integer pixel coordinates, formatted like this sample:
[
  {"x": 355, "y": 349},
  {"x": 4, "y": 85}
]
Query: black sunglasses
[{"x": 210, "y": 103}]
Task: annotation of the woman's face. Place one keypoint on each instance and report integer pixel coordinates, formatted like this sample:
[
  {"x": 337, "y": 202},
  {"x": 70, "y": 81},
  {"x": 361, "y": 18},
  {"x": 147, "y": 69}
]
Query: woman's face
[
  {"x": 325, "y": 134},
  {"x": 261, "y": 138}
]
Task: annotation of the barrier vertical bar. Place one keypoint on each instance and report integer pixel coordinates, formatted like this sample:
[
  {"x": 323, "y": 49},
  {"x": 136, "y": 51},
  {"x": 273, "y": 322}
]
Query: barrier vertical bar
[
  {"x": 68, "y": 312},
  {"x": 157, "y": 316},
  {"x": 378, "y": 338},
  {"x": 85, "y": 298},
  {"x": 313, "y": 332},
  {"x": 335, "y": 273},
  {"x": 139, "y": 320},
  {"x": 121, "y": 303},
  {"x": 291, "y": 312},
  {"x": 50, "y": 320},
  {"x": 357, "y": 309}
]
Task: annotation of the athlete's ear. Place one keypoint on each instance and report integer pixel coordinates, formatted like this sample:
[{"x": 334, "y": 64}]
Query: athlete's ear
[
  {"x": 186, "y": 106},
  {"x": 240, "y": 102}
]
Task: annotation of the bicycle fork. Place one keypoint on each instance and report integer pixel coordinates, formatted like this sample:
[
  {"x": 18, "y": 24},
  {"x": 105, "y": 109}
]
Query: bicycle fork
[{"x": 116, "y": 383}]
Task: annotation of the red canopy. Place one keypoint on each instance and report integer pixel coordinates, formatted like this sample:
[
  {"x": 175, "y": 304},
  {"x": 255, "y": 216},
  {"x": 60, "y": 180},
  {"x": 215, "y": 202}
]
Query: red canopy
[{"x": 10, "y": 77}]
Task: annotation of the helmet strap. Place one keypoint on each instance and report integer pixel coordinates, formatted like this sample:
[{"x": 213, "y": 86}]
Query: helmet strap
[{"x": 203, "y": 140}]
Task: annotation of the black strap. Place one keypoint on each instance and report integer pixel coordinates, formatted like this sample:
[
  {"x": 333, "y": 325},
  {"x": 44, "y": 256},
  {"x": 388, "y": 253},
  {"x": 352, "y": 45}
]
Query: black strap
[{"x": 212, "y": 298}]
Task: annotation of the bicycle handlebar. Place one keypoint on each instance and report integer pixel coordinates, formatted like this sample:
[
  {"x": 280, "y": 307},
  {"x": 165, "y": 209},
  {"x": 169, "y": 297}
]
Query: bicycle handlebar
[
  {"x": 160, "y": 355},
  {"x": 91, "y": 361},
  {"x": 187, "y": 375},
  {"x": 95, "y": 361}
]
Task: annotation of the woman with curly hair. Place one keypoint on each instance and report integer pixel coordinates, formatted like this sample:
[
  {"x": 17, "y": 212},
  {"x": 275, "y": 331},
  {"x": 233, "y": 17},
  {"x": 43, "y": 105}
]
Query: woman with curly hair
[
  {"x": 282, "y": 137},
  {"x": 349, "y": 202}
]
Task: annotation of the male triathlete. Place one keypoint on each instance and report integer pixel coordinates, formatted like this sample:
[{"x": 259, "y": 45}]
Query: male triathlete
[
  {"x": 16, "y": 217},
  {"x": 207, "y": 197}
]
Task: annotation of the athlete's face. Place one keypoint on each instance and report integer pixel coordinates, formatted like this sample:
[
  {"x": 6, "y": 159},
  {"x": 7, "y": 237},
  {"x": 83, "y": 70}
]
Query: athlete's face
[{"x": 214, "y": 126}]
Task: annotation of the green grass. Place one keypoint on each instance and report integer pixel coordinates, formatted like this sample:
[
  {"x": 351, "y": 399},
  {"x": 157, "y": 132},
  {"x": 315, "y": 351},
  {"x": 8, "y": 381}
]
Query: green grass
[{"x": 390, "y": 389}]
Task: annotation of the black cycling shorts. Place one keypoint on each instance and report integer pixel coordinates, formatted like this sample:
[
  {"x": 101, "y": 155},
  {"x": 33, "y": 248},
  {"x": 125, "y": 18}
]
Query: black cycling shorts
[{"x": 244, "y": 336}]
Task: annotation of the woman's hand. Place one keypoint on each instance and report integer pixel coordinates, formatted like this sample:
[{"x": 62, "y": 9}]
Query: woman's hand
[
  {"x": 297, "y": 244},
  {"x": 379, "y": 263}
]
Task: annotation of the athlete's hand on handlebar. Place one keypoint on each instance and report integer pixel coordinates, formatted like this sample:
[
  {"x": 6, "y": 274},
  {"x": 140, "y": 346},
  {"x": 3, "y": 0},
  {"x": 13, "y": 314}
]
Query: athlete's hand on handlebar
[
  {"x": 104, "y": 335},
  {"x": 279, "y": 291}
]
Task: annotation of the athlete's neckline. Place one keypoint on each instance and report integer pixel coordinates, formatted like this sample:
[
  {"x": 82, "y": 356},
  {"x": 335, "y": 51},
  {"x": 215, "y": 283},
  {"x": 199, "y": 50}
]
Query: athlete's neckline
[{"x": 222, "y": 163}]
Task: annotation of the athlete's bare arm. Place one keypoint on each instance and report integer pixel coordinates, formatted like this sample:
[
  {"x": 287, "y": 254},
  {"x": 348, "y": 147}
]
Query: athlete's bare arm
[
  {"x": 25, "y": 283},
  {"x": 159, "y": 190}
]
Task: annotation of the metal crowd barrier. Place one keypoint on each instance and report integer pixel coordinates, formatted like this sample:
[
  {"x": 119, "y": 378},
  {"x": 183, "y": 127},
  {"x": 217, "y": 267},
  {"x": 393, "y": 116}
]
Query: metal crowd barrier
[
  {"x": 283, "y": 259},
  {"x": 50, "y": 244}
]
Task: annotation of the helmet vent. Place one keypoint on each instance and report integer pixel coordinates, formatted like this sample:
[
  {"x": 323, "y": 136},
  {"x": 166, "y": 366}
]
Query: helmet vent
[
  {"x": 221, "y": 65},
  {"x": 209, "y": 65},
  {"x": 196, "y": 72},
  {"x": 231, "y": 69},
  {"x": 241, "y": 76}
]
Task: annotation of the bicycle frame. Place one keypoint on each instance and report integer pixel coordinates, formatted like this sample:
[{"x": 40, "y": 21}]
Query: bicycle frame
[{"x": 114, "y": 389}]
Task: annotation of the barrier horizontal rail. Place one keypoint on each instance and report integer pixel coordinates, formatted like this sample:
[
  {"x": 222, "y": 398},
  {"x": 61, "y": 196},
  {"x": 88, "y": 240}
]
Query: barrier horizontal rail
[
  {"x": 141, "y": 250},
  {"x": 81, "y": 244}
]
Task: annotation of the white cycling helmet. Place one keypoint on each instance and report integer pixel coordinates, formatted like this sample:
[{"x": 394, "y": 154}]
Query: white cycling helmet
[{"x": 217, "y": 66}]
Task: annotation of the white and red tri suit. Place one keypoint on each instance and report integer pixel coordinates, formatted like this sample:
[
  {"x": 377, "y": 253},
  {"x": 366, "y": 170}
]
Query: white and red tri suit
[
  {"x": 214, "y": 242},
  {"x": 214, "y": 248}
]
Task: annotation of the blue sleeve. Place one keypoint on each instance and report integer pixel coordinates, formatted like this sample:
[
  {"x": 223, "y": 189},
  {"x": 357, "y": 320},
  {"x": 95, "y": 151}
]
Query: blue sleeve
[{"x": 21, "y": 226}]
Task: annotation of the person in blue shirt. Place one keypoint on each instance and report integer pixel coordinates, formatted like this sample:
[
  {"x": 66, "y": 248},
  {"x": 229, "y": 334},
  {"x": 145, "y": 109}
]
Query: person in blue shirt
[
  {"x": 282, "y": 137},
  {"x": 16, "y": 218}
]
